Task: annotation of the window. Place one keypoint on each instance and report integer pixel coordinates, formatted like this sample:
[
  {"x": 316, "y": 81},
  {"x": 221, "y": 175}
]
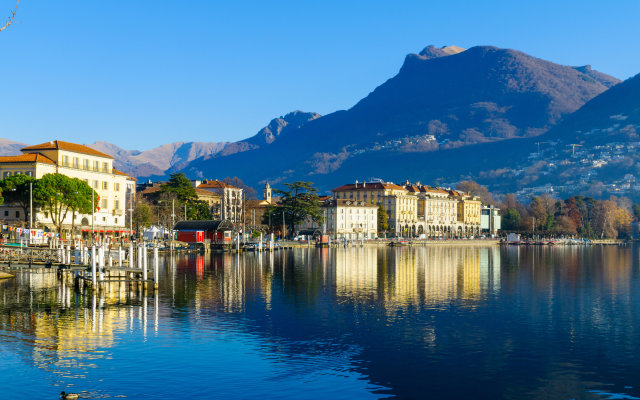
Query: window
[
  {"x": 105, "y": 185},
  {"x": 76, "y": 162},
  {"x": 116, "y": 187},
  {"x": 29, "y": 173},
  {"x": 18, "y": 173},
  {"x": 6, "y": 213},
  {"x": 95, "y": 184},
  {"x": 96, "y": 165},
  {"x": 105, "y": 167},
  {"x": 7, "y": 173},
  {"x": 104, "y": 219},
  {"x": 65, "y": 161},
  {"x": 116, "y": 204},
  {"x": 105, "y": 203},
  {"x": 116, "y": 220},
  {"x": 17, "y": 214},
  {"x": 85, "y": 164}
]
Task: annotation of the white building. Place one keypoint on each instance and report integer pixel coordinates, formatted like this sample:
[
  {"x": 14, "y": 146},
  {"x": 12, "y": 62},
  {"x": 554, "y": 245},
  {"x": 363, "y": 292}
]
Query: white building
[
  {"x": 232, "y": 201},
  {"x": 491, "y": 221},
  {"x": 114, "y": 188},
  {"x": 350, "y": 219}
]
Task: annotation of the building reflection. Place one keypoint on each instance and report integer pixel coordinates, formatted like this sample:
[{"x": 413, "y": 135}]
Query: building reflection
[
  {"x": 416, "y": 277},
  {"x": 67, "y": 331}
]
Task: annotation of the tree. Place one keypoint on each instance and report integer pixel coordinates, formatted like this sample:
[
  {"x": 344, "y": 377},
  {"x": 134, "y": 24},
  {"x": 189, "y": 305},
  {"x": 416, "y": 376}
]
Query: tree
[
  {"x": 623, "y": 220},
  {"x": 181, "y": 186},
  {"x": 59, "y": 194},
  {"x": 636, "y": 211},
  {"x": 544, "y": 208},
  {"x": 475, "y": 189},
  {"x": 141, "y": 217},
  {"x": 198, "y": 210},
  {"x": 81, "y": 199},
  {"x": 604, "y": 219},
  {"x": 15, "y": 190},
  {"x": 511, "y": 220},
  {"x": 298, "y": 203},
  {"x": 566, "y": 225},
  {"x": 383, "y": 219},
  {"x": 11, "y": 17}
]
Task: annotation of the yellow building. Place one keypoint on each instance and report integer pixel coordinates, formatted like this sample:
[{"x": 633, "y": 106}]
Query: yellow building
[
  {"x": 400, "y": 204},
  {"x": 114, "y": 188},
  {"x": 469, "y": 214}
]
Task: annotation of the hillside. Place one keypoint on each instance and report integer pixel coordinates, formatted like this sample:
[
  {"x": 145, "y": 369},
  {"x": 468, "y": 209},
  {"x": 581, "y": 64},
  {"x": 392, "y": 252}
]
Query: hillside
[{"x": 440, "y": 100}]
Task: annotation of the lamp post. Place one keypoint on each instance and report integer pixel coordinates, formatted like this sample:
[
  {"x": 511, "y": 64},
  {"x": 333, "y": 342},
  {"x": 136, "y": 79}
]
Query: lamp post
[
  {"x": 93, "y": 208},
  {"x": 30, "y": 205},
  {"x": 130, "y": 214}
]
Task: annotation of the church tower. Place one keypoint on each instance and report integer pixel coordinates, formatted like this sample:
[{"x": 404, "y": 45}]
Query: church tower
[{"x": 266, "y": 193}]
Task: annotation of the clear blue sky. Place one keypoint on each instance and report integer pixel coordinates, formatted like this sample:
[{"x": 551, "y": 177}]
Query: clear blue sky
[{"x": 143, "y": 73}]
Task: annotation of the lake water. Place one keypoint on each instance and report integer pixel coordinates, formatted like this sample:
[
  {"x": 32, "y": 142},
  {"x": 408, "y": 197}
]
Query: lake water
[{"x": 437, "y": 322}]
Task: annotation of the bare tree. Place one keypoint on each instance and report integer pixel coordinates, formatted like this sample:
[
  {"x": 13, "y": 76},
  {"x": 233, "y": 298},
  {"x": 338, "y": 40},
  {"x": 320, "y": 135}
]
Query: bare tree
[{"x": 11, "y": 18}]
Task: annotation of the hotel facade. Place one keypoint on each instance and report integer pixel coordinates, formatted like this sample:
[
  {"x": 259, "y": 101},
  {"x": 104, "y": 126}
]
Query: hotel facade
[
  {"x": 115, "y": 189},
  {"x": 419, "y": 210}
]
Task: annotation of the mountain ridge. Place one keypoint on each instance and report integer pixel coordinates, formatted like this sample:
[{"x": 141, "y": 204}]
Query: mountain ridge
[{"x": 480, "y": 95}]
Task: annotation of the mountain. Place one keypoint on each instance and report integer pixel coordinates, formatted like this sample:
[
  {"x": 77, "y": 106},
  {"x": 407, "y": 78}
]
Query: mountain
[
  {"x": 156, "y": 161},
  {"x": 267, "y": 135},
  {"x": 174, "y": 156},
  {"x": 441, "y": 99},
  {"x": 10, "y": 148},
  {"x": 612, "y": 116}
]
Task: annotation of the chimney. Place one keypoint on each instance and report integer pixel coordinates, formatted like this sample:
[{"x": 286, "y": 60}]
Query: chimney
[{"x": 356, "y": 183}]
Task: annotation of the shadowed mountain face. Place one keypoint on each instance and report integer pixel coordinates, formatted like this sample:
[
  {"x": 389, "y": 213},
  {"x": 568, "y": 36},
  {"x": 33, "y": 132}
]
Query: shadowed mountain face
[
  {"x": 612, "y": 116},
  {"x": 441, "y": 99}
]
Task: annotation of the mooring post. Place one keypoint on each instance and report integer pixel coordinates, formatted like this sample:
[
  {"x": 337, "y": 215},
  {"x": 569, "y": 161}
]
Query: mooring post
[
  {"x": 155, "y": 266},
  {"x": 120, "y": 256},
  {"x": 93, "y": 267},
  {"x": 131, "y": 255},
  {"x": 101, "y": 261},
  {"x": 143, "y": 255}
]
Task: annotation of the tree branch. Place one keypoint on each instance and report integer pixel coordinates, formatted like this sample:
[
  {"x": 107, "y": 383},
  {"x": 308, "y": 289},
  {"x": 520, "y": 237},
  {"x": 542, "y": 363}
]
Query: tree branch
[{"x": 10, "y": 21}]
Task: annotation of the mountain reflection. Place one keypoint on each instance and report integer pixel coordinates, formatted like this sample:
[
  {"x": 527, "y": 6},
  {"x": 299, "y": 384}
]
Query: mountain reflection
[{"x": 507, "y": 322}]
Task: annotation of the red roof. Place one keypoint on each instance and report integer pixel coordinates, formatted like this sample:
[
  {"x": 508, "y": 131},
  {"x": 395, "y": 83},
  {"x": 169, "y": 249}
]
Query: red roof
[
  {"x": 27, "y": 158},
  {"x": 61, "y": 145},
  {"x": 215, "y": 185},
  {"x": 115, "y": 171},
  {"x": 368, "y": 186}
]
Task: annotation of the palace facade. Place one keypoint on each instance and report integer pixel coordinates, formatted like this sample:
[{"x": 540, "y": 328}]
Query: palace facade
[{"x": 115, "y": 189}]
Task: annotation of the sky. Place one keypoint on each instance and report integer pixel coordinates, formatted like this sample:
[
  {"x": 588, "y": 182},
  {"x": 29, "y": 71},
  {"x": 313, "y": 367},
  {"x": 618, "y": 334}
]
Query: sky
[{"x": 143, "y": 73}]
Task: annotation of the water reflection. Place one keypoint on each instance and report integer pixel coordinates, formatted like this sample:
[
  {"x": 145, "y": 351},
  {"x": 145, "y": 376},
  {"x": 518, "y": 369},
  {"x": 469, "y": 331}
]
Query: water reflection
[{"x": 454, "y": 322}]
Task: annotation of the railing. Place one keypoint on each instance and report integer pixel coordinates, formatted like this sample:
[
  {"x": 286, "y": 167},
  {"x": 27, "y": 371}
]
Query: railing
[{"x": 28, "y": 255}]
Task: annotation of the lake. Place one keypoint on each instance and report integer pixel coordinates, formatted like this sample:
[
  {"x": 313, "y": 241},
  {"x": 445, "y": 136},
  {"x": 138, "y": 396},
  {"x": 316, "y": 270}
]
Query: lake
[{"x": 437, "y": 322}]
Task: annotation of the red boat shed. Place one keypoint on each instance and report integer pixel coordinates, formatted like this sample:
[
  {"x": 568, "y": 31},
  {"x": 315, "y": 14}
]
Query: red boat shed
[{"x": 208, "y": 231}]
